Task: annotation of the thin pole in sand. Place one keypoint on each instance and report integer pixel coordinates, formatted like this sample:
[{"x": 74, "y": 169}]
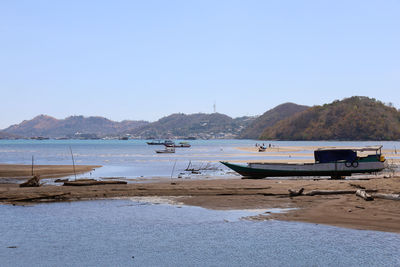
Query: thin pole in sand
[
  {"x": 73, "y": 161},
  {"x": 32, "y": 165},
  {"x": 173, "y": 170}
]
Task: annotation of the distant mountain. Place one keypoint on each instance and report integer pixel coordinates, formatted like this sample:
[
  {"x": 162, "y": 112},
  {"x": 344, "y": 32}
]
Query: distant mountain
[
  {"x": 269, "y": 118},
  {"x": 354, "y": 118},
  {"x": 200, "y": 125},
  {"x": 47, "y": 126}
]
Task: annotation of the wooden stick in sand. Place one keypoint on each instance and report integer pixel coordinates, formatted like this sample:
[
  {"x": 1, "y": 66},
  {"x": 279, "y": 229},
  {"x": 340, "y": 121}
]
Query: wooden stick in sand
[
  {"x": 361, "y": 193},
  {"x": 387, "y": 196},
  {"x": 73, "y": 161}
]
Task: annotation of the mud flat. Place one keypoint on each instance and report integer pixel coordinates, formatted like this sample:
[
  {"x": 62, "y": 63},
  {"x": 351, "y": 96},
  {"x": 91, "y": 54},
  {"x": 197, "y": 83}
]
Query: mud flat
[
  {"x": 345, "y": 210},
  {"x": 17, "y": 171}
]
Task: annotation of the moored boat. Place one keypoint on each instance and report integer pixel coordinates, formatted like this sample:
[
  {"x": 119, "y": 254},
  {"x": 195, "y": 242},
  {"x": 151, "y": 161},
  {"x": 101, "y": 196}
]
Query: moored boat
[
  {"x": 333, "y": 162},
  {"x": 160, "y": 143},
  {"x": 167, "y": 150},
  {"x": 181, "y": 144},
  {"x": 155, "y": 143}
]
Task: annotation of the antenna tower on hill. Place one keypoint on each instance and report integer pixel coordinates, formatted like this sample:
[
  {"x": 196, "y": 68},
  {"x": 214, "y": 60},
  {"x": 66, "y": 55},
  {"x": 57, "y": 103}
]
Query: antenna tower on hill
[{"x": 215, "y": 107}]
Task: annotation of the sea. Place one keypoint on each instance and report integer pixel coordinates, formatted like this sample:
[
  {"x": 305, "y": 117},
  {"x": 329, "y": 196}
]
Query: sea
[
  {"x": 135, "y": 159},
  {"x": 153, "y": 232},
  {"x": 134, "y": 233}
]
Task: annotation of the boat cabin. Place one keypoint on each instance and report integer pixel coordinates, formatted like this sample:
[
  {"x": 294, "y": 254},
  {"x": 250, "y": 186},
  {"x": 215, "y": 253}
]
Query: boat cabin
[{"x": 351, "y": 154}]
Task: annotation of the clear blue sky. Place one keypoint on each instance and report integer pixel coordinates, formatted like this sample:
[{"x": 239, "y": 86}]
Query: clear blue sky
[{"x": 148, "y": 59}]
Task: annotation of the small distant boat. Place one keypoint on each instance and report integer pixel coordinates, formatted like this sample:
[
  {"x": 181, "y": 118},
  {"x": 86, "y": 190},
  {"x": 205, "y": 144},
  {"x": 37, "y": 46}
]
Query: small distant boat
[
  {"x": 168, "y": 142},
  {"x": 40, "y": 138},
  {"x": 333, "y": 162},
  {"x": 155, "y": 143},
  {"x": 167, "y": 150},
  {"x": 181, "y": 144},
  {"x": 160, "y": 143}
]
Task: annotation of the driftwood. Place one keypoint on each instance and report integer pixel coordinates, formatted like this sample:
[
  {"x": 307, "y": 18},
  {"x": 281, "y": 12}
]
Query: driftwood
[
  {"x": 334, "y": 192},
  {"x": 329, "y": 192},
  {"x": 300, "y": 192},
  {"x": 387, "y": 196},
  {"x": 294, "y": 193},
  {"x": 361, "y": 193},
  {"x": 39, "y": 197},
  {"x": 92, "y": 182},
  {"x": 32, "y": 182},
  {"x": 61, "y": 180}
]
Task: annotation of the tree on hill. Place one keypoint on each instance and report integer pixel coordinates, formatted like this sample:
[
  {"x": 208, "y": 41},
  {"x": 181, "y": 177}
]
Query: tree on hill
[
  {"x": 269, "y": 118},
  {"x": 354, "y": 118},
  {"x": 199, "y": 125}
]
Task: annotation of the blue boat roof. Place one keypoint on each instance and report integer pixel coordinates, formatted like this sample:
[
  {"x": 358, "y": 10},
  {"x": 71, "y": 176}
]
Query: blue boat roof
[{"x": 365, "y": 148}]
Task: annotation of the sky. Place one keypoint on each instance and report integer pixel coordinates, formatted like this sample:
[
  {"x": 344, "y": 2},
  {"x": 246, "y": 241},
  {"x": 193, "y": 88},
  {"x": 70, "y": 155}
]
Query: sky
[{"x": 143, "y": 60}]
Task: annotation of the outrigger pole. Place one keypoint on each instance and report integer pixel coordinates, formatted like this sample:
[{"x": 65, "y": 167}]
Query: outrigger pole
[{"x": 73, "y": 161}]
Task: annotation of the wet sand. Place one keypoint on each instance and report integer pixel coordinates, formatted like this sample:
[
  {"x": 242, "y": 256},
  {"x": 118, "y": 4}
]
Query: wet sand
[
  {"x": 45, "y": 171},
  {"x": 235, "y": 193}
]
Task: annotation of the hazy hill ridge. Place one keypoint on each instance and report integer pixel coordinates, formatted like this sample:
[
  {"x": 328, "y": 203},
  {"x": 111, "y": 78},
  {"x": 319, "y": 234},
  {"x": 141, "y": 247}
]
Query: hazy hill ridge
[
  {"x": 354, "y": 118},
  {"x": 270, "y": 118},
  {"x": 176, "y": 125},
  {"x": 197, "y": 125},
  {"x": 47, "y": 126}
]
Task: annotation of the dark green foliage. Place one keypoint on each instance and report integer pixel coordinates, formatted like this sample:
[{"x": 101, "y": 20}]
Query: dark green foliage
[{"x": 354, "y": 118}]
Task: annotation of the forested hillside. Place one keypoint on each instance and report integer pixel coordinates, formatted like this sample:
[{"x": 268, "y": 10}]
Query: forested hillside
[
  {"x": 269, "y": 118},
  {"x": 354, "y": 118},
  {"x": 198, "y": 125}
]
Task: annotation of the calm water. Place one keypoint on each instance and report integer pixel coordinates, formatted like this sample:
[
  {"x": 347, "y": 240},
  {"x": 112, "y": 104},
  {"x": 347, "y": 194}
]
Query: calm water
[
  {"x": 134, "y": 158},
  {"x": 109, "y": 233}
]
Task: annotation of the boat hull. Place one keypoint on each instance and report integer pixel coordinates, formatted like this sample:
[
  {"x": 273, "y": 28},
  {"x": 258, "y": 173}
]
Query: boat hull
[
  {"x": 165, "y": 151},
  {"x": 338, "y": 169},
  {"x": 155, "y": 143},
  {"x": 169, "y": 145}
]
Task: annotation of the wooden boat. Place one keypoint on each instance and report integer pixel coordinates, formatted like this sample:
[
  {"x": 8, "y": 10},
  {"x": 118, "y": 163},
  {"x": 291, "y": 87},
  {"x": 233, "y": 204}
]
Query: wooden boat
[
  {"x": 181, "y": 144},
  {"x": 167, "y": 150},
  {"x": 333, "y": 162},
  {"x": 159, "y": 143},
  {"x": 155, "y": 143}
]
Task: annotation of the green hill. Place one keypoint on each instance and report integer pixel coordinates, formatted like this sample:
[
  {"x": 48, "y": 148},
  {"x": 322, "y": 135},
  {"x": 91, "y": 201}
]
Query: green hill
[
  {"x": 269, "y": 118},
  {"x": 354, "y": 118}
]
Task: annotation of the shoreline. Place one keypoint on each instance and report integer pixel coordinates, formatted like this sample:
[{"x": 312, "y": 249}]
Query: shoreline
[
  {"x": 346, "y": 210},
  {"x": 21, "y": 171}
]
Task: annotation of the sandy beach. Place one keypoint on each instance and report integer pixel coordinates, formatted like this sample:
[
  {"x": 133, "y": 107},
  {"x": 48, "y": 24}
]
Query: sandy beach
[
  {"x": 18, "y": 171},
  {"x": 345, "y": 210}
]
